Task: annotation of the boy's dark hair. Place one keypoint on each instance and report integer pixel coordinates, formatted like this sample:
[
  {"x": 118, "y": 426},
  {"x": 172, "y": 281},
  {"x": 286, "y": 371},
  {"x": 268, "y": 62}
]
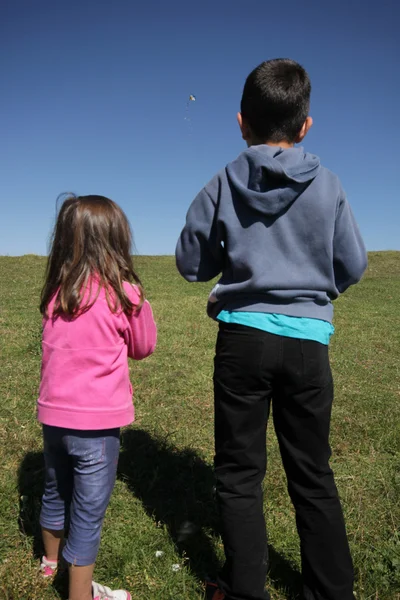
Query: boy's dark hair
[{"x": 276, "y": 100}]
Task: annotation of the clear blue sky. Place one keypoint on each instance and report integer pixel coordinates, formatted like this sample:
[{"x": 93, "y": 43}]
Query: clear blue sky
[{"x": 93, "y": 98}]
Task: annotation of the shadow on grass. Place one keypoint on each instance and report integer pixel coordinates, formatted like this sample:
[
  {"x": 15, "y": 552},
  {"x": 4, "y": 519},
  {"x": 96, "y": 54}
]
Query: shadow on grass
[
  {"x": 176, "y": 489},
  {"x": 31, "y": 485}
]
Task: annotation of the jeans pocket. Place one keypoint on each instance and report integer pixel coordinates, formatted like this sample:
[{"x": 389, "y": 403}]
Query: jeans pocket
[
  {"x": 316, "y": 366},
  {"x": 88, "y": 451},
  {"x": 239, "y": 357}
]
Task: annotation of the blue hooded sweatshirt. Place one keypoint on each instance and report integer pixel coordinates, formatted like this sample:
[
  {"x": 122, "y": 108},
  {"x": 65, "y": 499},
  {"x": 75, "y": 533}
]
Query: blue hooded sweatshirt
[{"x": 278, "y": 227}]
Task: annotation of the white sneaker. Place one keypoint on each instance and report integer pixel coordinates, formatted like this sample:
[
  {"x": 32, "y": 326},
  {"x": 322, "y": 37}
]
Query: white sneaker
[{"x": 101, "y": 592}]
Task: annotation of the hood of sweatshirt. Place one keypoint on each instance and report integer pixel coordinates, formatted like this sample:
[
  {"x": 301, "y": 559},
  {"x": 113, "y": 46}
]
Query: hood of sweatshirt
[{"x": 269, "y": 178}]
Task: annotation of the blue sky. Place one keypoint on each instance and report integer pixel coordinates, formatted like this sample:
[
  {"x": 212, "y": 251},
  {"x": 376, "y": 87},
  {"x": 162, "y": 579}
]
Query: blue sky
[{"x": 93, "y": 100}]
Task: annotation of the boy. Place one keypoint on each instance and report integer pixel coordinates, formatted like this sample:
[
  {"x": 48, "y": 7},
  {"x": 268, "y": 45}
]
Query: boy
[{"x": 278, "y": 226}]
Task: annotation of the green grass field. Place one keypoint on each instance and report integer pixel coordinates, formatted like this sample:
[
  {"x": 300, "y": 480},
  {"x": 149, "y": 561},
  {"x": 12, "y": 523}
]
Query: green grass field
[{"x": 165, "y": 472}]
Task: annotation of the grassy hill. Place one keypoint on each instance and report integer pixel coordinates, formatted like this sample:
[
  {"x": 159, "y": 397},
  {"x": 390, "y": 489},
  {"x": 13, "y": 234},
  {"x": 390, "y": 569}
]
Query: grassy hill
[{"x": 165, "y": 472}]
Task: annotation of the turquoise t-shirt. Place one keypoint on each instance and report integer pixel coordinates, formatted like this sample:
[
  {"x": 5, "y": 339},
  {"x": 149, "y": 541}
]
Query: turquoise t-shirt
[{"x": 294, "y": 327}]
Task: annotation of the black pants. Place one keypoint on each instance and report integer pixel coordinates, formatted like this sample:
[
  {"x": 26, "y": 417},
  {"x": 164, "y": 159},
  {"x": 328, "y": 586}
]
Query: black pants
[{"x": 253, "y": 368}]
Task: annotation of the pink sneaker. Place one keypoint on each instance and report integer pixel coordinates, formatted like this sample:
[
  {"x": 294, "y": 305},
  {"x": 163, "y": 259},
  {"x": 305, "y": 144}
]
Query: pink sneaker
[
  {"x": 48, "y": 568},
  {"x": 101, "y": 592}
]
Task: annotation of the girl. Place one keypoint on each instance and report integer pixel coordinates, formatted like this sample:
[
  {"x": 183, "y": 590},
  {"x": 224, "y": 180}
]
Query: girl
[{"x": 94, "y": 317}]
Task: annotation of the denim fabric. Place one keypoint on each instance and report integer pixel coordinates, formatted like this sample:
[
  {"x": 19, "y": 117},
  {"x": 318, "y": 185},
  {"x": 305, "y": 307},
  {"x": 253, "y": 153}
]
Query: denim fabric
[{"x": 80, "y": 474}]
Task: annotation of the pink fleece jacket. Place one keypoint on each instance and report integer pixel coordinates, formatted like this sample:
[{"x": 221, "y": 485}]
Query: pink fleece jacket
[{"x": 85, "y": 376}]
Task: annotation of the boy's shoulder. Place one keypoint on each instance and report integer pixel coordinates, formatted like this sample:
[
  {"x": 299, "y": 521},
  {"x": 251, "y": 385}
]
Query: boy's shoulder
[{"x": 329, "y": 174}]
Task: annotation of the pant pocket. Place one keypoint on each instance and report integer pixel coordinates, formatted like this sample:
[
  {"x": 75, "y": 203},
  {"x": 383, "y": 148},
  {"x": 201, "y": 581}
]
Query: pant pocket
[
  {"x": 316, "y": 370},
  {"x": 238, "y": 358}
]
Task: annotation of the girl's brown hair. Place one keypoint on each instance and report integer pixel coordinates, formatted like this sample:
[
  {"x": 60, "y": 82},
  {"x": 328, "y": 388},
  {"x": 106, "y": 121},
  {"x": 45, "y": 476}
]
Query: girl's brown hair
[{"x": 91, "y": 240}]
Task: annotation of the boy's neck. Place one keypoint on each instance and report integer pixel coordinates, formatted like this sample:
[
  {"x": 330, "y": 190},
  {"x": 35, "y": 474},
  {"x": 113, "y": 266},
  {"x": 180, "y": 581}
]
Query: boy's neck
[{"x": 282, "y": 144}]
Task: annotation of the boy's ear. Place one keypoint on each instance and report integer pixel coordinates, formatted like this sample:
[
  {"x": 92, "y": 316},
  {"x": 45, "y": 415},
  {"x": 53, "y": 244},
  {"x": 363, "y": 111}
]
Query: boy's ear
[
  {"x": 304, "y": 130},
  {"x": 244, "y": 128}
]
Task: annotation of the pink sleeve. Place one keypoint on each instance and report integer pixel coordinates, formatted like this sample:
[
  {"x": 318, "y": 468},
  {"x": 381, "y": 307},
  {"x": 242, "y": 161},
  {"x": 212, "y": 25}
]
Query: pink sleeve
[{"x": 141, "y": 334}]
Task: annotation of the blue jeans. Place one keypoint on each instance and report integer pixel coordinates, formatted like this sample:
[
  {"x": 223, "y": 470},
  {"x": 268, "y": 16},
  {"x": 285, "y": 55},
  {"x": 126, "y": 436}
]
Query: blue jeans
[{"x": 80, "y": 472}]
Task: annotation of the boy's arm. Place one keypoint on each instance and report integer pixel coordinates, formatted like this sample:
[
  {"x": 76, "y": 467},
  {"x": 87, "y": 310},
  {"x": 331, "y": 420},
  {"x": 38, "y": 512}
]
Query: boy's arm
[
  {"x": 141, "y": 334},
  {"x": 349, "y": 254},
  {"x": 199, "y": 253}
]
